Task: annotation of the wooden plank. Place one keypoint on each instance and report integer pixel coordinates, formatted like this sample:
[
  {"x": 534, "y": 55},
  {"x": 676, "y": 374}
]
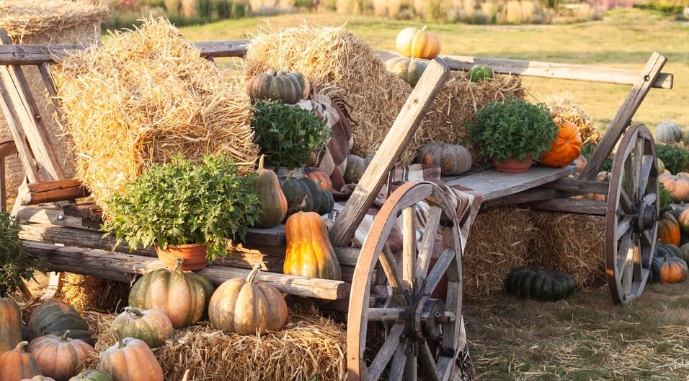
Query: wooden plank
[
  {"x": 94, "y": 262},
  {"x": 570, "y": 205},
  {"x": 7, "y": 148},
  {"x": 51, "y": 191},
  {"x": 22, "y": 145},
  {"x": 529, "y": 195},
  {"x": 395, "y": 141},
  {"x": 50, "y": 216},
  {"x": 493, "y": 184},
  {"x": 580, "y": 186},
  {"x": 624, "y": 115}
]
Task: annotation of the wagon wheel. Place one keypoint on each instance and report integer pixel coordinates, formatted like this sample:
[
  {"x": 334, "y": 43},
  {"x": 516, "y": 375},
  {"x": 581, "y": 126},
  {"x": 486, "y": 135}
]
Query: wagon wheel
[
  {"x": 422, "y": 325},
  {"x": 631, "y": 218}
]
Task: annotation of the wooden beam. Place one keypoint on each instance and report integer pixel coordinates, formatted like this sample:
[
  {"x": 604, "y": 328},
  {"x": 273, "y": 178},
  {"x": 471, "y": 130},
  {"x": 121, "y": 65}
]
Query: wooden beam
[
  {"x": 569, "y": 205},
  {"x": 52, "y": 191},
  {"x": 579, "y": 186},
  {"x": 51, "y": 216}
]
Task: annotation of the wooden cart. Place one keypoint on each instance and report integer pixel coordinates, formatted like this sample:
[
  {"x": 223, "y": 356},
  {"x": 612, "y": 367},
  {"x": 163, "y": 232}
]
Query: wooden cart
[{"x": 422, "y": 328}]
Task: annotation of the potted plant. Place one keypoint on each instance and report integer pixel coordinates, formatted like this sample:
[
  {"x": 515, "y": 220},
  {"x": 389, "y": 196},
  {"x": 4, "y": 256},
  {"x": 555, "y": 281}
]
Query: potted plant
[
  {"x": 182, "y": 203},
  {"x": 15, "y": 263},
  {"x": 288, "y": 136},
  {"x": 513, "y": 131}
]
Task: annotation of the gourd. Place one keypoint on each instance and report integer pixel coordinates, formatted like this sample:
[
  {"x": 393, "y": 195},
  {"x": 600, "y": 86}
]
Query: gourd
[
  {"x": 661, "y": 165},
  {"x": 418, "y": 43},
  {"x": 247, "y": 307},
  {"x": 309, "y": 251},
  {"x": 60, "y": 357},
  {"x": 668, "y": 132},
  {"x": 566, "y": 147},
  {"x": 356, "y": 166},
  {"x": 315, "y": 192},
  {"x": 321, "y": 178},
  {"x": 668, "y": 229},
  {"x": 182, "y": 295},
  {"x": 17, "y": 364},
  {"x": 668, "y": 269},
  {"x": 298, "y": 194},
  {"x": 684, "y": 249},
  {"x": 677, "y": 185},
  {"x": 409, "y": 70},
  {"x": 539, "y": 283},
  {"x": 91, "y": 375},
  {"x": 479, "y": 73},
  {"x": 39, "y": 378},
  {"x": 278, "y": 85},
  {"x": 452, "y": 159},
  {"x": 130, "y": 359},
  {"x": 54, "y": 317},
  {"x": 10, "y": 324},
  {"x": 272, "y": 201},
  {"x": 683, "y": 221},
  {"x": 327, "y": 202},
  {"x": 667, "y": 250},
  {"x": 152, "y": 326}
]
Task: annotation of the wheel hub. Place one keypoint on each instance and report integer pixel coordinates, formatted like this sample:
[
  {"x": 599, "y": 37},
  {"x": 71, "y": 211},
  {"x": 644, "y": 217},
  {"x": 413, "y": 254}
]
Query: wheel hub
[
  {"x": 428, "y": 317},
  {"x": 645, "y": 216}
]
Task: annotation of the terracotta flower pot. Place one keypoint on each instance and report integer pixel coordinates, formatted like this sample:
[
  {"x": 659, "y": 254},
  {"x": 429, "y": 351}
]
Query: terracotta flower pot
[
  {"x": 194, "y": 256},
  {"x": 511, "y": 165}
]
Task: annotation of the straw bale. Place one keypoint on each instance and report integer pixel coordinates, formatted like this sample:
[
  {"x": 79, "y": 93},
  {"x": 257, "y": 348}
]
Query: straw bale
[
  {"x": 563, "y": 105},
  {"x": 89, "y": 293},
  {"x": 143, "y": 96},
  {"x": 22, "y": 18},
  {"x": 335, "y": 56},
  {"x": 308, "y": 347}
]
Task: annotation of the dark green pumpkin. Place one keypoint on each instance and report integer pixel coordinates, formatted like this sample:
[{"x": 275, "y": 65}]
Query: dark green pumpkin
[
  {"x": 666, "y": 250},
  {"x": 480, "y": 73},
  {"x": 275, "y": 85},
  {"x": 10, "y": 324},
  {"x": 55, "y": 317},
  {"x": 315, "y": 191},
  {"x": 356, "y": 166},
  {"x": 298, "y": 195},
  {"x": 327, "y": 202},
  {"x": 91, "y": 375},
  {"x": 407, "y": 69},
  {"x": 539, "y": 283}
]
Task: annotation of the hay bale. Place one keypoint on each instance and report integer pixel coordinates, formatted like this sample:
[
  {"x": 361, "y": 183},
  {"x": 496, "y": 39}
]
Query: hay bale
[
  {"x": 143, "y": 96},
  {"x": 309, "y": 347},
  {"x": 87, "y": 293},
  {"x": 45, "y": 22},
  {"x": 563, "y": 105}
]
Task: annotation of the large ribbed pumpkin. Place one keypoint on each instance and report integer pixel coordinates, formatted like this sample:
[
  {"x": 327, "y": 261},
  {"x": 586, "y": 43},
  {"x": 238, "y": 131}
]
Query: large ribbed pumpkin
[
  {"x": 54, "y": 317},
  {"x": 152, "y": 326},
  {"x": 566, "y": 147},
  {"x": 182, "y": 295},
  {"x": 677, "y": 185},
  {"x": 130, "y": 359},
  {"x": 17, "y": 364},
  {"x": 409, "y": 70},
  {"x": 668, "y": 132},
  {"x": 60, "y": 357},
  {"x": 668, "y": 229},
  {"x": 418, "y": 43},
  {"x": 10, "y": 324},
  {"x": 91, "y": 375},
  {"x": 300, "y": 194},
  {"x": 309, "y": 251},
  {"x": 247, "y": 307},
  {"x": 356, "y": 166},
  {"x": 452, "y": 159},
  {"x": 271, "y": 200},
  {"x": 278, "y": 85}
]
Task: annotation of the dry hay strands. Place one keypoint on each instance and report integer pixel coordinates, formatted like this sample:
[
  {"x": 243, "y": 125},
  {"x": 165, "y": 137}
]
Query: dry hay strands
[
  {"x": 563, "y": 105},
  {"x": 499, "y": 241},
  {"x": 143, "y": 96},
  {"x": 335, "y": 56},
  {"x": 309, "y": 346},
  {"x": 88, "y": 293}
]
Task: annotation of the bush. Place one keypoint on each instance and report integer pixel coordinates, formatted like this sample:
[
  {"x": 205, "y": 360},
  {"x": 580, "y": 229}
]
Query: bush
[
  {"x": 675, "y": 158},
  {"x": 15, "y": 262}
]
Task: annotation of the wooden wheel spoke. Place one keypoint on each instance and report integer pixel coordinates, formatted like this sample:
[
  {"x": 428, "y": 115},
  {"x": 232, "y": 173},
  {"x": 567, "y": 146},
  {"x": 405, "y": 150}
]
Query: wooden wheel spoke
[
  {"x": 408, "y": 246},
  {"x": 427, "y": 362},
  {"x": 623, "y": 253},
  {"x": 428, "y": 242},
  {"x": 646, "y": 166},
  {"x": 646, "y": 239},
  {"x": 438, "y": 270},
  {"x": 385, "y": 353},
  {"x": 628, "y": 270},
  {"x": 389, "y": 265},
  {"x": 625, "y": 202},
  {"x": 623, "y": 226},
  {"x": 386, "y": 314},
  {"x": 650, "y": 198},
  {"x": 399, "y": 360}
]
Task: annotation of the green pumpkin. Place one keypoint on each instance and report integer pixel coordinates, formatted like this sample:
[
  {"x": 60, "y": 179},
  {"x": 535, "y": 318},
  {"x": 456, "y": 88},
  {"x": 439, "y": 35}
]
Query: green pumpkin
[
  {"x": 54, "y": 317},
  {"x": 270, "y": 197},
  {"x": 276, "y": 85},
  {"x": 480, "y": 73},
  {"x": 668, "y": 132},
  {"x": 327, "y": 202},
  {"x": 539, "y": 283},
  {"x": 407, "y": 69},
  {"x": 666, "y": 250},
  {"x": 152, "y": 326},
  {"x": 91, "y": 375},
  {"x": 298, "y": 195},
  {"x": 356, "y": 166},
  {"x": 315, "y": 191}
]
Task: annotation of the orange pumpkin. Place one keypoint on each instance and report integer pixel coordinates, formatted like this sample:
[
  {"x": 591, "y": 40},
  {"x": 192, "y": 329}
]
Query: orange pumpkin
[
  {"x": 60, "y": 357},
  {"x": 130, "y": 359},
  {"x": 668, "y": 229},
  {"x": 10, "y": 324},
  {"x": 309, "y": 251},
  {"x": 16, "y": 365},
  {"x": 317, "y": 175},
  {"x": 247, "y": 307},
  {"x": 418, "y": 43},
  {"x": 566, "y": 147},
  {"x": 677, "y": 185},
  {"x": 673, "y": 270}
]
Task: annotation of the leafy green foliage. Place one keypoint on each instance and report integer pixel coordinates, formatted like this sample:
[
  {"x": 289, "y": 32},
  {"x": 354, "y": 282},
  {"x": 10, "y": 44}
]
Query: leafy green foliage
[
  {"x": 287, "y": 135},
  {"x": 675, "y": 158},
  {"x": 665, "y": 198},
  {"x": 513, "y": 128},
  {"x": 587, "y": 150},
  {"x": 15, "y": 262},
  {"x": 184, "y": 202}
]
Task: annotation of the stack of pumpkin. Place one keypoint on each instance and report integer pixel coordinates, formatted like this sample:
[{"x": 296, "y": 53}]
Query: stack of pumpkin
[
  {"x": 417, "y": 47},
  {"x": 671, "y": 254}
]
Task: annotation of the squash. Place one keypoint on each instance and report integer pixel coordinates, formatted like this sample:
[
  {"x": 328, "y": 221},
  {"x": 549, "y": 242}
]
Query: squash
[
  {"x": 566, "y": 147},
  {"x": 320, "y": 177},
  {"x": 247, "y": 307},
  {"x": 39, "y": 378},
  {"x": 303, "y": 82},
  {"x": 60, "y": 357},
  {"x": 418, "y": 43},
  {"x": 10, "y": 324},
  {"x": 309, "y": 251},
  {"x": 277, "y": 85},
  {"x": 675, "y": 209},
  {"x": 17, "y": 364},
  {"x": 298, "y": 195},
  {"x": 669, "y": 269},
  {"x": 668, "y": 132},
  {"x": 152, "y": 326},
  {"x": 130, "y": 359},
  {"x": 661, "y": 165},
  {"x": 54, "y": 317},
  {"x": 327, "y": 202},
  {"x": 272, "y": 201},
  {"x": 315, "y": 193},
  {"x": 677, "y": 185},
  {"x": 356, "y": 166},
  {"x": 409, "y": 70},
  {"x": 539, "y": 283},
  {"x": 479, "y": 73},
  {"x": 182, "y": 295},
  {"x": 91, "y": 375},
  {"x": 452, "y": 159},
  {"x": 668, "y": 229},
  {"x": 683, "y": 221}
]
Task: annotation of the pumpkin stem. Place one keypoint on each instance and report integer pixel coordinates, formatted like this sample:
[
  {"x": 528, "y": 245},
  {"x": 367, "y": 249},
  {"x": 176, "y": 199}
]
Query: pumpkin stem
[
  {"x": 64, "y": 336},
  {"x": 252, "y": 274},
  {"x": 133, "y": 312},
  {"x": 118, "y": 337},
  {"x": 260, "y": 162},
  {"x": 178, "y": 263},
  {"x": 20, "y": 346}
]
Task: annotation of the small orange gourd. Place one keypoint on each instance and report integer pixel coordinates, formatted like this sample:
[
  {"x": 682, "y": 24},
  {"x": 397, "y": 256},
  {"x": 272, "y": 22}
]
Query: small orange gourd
[
  {"x": 270, "y": 197},
  {"x": 309, "y": 251},
  {"x": 566, "y": 147}
]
